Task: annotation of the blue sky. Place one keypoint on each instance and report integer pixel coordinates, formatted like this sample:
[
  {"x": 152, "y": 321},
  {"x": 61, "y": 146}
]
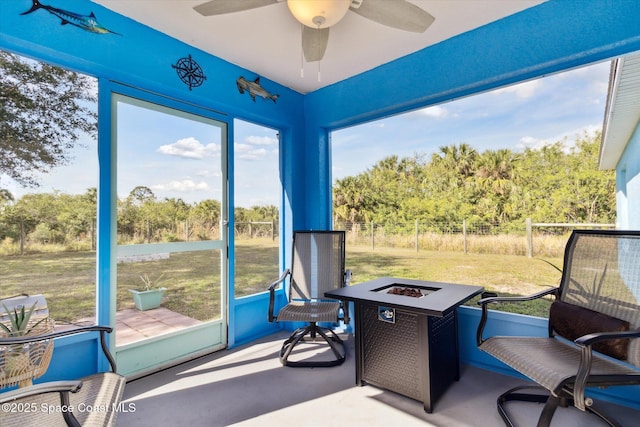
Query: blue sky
[
  {"x": 174, "y": 156},
  {"x": 180, "y": 156},
  {"x": 530, "y": 114}
]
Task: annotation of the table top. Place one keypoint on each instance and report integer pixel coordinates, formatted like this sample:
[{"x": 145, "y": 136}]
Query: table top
[{"x": 439, "y": 297}]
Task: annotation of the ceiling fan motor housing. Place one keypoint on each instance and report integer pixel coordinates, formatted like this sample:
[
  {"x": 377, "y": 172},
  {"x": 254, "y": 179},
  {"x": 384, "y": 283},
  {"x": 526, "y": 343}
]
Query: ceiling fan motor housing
[{"x": 319, "y": 13}]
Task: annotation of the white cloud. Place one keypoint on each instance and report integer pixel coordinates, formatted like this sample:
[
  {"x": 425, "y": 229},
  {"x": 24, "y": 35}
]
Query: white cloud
[
  {"x": 523, "y": 90},
  {"x": 255, "y": 147},
  {"x": 185, "y": 186},
  {"x": 209, "y": 173},
  {"x": 532, "y": 143},
  {"x": 435, "y": 112},
  {"x": 249, "y": 152},
  {"x": 189, "y": 148},
  {"x": 568, "y": 138},
  {"x": 261, "y": 140}
]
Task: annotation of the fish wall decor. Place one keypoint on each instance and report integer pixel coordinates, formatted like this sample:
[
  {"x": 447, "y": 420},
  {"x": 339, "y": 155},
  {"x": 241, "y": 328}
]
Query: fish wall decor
[
  {"x": 254, "y": 89},
  {"x": 85, "y": 22}
]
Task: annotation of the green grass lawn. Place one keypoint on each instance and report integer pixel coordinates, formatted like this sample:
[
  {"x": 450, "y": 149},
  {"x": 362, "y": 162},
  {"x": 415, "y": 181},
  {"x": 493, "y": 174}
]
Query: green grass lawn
[
  {"x": 504, "y": 274},
  {"x": 67, "y": 279}
]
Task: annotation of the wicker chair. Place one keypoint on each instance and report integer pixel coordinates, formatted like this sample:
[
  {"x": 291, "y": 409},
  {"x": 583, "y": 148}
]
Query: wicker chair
[
  {"x": 318, "y": 266},
  {"x": 90, "y": 401},
  {"x": 17, "y": 366},
  {"x": 594, "y": 327}
]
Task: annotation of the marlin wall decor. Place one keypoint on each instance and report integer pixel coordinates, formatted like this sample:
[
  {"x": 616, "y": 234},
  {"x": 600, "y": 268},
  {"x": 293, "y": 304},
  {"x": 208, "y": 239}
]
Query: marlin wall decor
[
  {"x": 85, "y": 22},
  {"x": 254, "y": 89}
]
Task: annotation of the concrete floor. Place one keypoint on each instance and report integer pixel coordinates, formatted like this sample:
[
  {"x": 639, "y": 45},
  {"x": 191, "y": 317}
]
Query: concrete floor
[{"x": 247, "y": 386}]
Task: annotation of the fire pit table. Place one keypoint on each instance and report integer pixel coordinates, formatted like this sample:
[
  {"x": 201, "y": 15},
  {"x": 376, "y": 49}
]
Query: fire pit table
[{"x": 406, "y": 334}]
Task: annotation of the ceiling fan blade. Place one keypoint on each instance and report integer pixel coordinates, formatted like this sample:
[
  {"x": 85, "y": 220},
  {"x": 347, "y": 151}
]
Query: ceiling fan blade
[
  {"x": 398, "y": 14},
  {"x": 220, "y": 7},
  {"x": 314, "y": 43}
]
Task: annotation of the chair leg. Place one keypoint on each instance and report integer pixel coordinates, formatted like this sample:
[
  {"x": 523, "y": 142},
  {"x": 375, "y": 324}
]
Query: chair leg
[
  {"x": 549, "y": 409},
  {"x": 551, "y": 404},
  {"x": 607, "y": 419},
  {"x": 512, "y": 394},
  {"x": 334, "y": 341}
]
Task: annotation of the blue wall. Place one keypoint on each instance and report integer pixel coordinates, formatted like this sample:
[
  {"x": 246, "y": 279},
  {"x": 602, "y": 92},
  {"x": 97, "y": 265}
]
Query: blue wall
[
  {"x": 628, "y": 185},
  {"x": 554, "y": 36},
  {"x": 116, "y": 62}
]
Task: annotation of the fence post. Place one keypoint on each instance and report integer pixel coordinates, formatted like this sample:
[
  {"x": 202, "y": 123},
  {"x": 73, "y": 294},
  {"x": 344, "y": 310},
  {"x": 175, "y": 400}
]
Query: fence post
[
  {"x": 273, "y": 229},
  {"x": 373, "y": 245},
  {"x": 22, "y": 236},
  {"x": 93, "y": 234},
  {"x": 464, "y": 235},
  {"x": 529, "y": 227},
  {"x": 417, "y": 235}
]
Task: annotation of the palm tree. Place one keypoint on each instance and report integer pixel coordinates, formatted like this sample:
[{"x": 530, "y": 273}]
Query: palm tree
[
  {"x": 460, "y": 158},
  {"x": 496, "y": 170},
  {"x": 496, "y": 183},
  {"x": 349, "y": 199}
]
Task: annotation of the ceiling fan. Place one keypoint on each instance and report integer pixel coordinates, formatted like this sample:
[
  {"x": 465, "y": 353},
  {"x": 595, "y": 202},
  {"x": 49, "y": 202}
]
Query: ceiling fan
[{"x": 318, "y": 15}]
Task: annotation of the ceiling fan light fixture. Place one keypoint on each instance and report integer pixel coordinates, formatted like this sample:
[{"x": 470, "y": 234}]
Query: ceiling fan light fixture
[{"x": 318, "y": 13}]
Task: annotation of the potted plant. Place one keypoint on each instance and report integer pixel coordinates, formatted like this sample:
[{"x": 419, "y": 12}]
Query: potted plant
[
  {"x": 24, "y": 362},
  {"x": 151, "y": 296}
]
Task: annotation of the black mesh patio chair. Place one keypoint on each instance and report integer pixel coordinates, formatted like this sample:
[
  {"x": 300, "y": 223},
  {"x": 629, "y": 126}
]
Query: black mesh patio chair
[
  {"x": 90, "y": 401},
  {"x": 318, "y": 266},
  {"x": 594, "y": 328}
]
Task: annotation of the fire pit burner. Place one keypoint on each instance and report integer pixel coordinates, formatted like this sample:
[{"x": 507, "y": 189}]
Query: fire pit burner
[{"x": 407, "y": 291}]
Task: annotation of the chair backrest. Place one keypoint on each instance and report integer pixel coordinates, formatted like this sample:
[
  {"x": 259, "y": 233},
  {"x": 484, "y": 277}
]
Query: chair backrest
[
  {"x": 317, "y": 264},
  {"x": 601, "y": 274}
]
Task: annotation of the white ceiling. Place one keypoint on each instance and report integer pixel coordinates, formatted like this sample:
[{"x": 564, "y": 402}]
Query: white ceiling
[{"x": 267, "y": 40}]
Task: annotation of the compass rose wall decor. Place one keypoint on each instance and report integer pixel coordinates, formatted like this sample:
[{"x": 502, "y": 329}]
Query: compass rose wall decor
[{"x": 189, "y": 72}]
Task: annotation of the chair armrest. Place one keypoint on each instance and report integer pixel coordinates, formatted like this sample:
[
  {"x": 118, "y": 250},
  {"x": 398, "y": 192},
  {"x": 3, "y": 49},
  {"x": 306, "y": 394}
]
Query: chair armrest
[
  {"x": 61, "y": 387},
  {"x": 345, "y": 304},
  {"x": 272, "y": 293},
  {"x": 592, "y": 338},
  {"x": 484, "y": 302},
  {"x": 537, "y": 295},
  {"x": 283, "y": 276},
  {"x": 57, "y": 334},
  {"x": 585, "y": 342},
  {"x": 34, "y": 390},
  {"x": 33, "y": 338},
  {"x": 345, "y": 310}
]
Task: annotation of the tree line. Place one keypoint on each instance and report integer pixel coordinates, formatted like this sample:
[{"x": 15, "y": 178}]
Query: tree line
[
  {"x": 70, "y": 220},
  {"x": 501, "y": 188},
  {"x": 556, "y": 183},
  {"x": 40, "y": 102}
]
